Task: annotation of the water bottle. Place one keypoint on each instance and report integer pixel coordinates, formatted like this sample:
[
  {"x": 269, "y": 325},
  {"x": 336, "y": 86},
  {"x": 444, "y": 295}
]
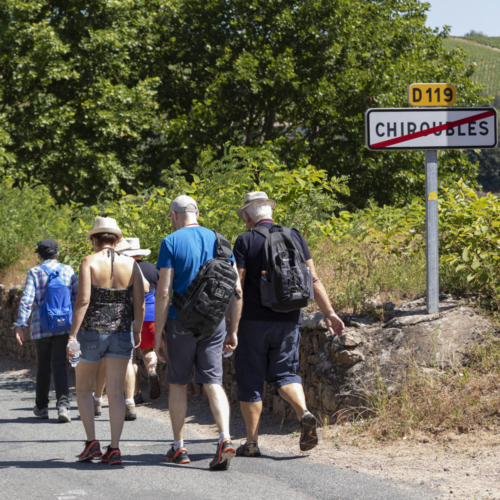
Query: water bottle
[{"x": 74, "y": 346}]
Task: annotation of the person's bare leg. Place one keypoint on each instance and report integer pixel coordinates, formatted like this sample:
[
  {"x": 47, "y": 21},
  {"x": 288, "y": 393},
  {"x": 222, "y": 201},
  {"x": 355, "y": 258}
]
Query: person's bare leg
[
  {"x": 100, "y": 380},
  {"x": 85, "y": 376},
  {"x": 149, "y": 357},
  {"x": 251, "y": 414},
  {"x": 294, "y": 394},
  {"x": 219, "y": 405},
  {"x": 130, "y": 381},
  {"x": 177, "y": 406},
  {"x": 116, "y": 370}
]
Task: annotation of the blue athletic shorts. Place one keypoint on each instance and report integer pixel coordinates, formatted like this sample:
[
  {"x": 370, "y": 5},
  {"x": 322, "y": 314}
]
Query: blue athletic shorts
[
  {"x": 267, "y": 351},
  {"x": 185, "y": 350},
  {"x": 95, "y": 346}
]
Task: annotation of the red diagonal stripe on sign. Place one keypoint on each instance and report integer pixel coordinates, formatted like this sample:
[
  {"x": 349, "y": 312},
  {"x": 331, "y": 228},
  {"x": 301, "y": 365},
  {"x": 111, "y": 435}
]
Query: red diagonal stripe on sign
[{"x": 432, "y": 130}]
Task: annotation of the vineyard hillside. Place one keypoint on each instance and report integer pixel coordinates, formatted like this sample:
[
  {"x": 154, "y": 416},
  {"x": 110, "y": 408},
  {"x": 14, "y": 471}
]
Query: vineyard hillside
[
  {"x": 487, "y": 59},
  {"x": 492, "y": 41}
]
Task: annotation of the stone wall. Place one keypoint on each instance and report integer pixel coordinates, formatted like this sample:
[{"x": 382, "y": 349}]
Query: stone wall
[
  {"x": 315, "y": 342},
  {"x": 338, "y": 374},
  {"x": 9, "y": 304}
]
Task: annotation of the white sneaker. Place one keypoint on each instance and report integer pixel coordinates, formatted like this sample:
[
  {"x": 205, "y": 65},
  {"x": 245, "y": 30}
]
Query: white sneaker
[{"x": 63, "y": 415}]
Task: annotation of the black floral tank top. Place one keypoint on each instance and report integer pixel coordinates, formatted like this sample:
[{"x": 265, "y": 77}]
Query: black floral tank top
[{"x": 110, "y": 310}]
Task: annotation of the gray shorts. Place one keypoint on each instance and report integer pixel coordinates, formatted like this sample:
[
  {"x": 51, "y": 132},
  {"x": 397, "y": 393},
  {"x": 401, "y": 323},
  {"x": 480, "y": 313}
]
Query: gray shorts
[
  {"x": 95, "y": 346},
  {"x": 184, "y": 350}
]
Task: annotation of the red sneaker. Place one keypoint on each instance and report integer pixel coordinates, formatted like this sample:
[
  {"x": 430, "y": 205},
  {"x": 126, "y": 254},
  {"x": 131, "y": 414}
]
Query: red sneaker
[
  {"x": 112, "y": 456},
  {"x": 91, "y": 451}
]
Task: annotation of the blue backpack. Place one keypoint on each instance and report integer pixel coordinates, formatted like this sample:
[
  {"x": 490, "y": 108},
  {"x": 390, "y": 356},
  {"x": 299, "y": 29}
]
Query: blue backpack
[{"x": 56, "y": 312}]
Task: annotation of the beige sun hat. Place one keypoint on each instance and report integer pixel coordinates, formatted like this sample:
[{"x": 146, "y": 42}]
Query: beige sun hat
[
  {"x": 105, "y": 225},
  {"x": 135, "y": 249},
  {"x": 253, "y": 198},
  {"x": 122, "y": 245}
]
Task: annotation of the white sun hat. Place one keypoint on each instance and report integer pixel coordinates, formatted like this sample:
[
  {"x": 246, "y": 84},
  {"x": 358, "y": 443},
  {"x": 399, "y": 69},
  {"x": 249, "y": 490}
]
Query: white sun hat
[
  {"x": 135, "y": 249},
  {"x": 105, "y": 225},
  {"x": 122, "y": 245},
  {"x": 256, "y": 197}
]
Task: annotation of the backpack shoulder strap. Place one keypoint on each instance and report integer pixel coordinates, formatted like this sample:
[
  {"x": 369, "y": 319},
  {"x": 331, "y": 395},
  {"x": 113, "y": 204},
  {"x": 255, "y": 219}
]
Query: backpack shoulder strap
[
  {"x": 264, "y": 231},
  {"x": 223, "y": 249},
  {"x": 46, "y": 270}
]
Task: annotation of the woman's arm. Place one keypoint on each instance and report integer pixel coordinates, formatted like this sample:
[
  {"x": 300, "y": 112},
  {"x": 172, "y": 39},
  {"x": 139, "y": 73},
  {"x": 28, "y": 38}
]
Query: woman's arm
[
  {"x": 82, "y": 298},
  {"x": 138, "y": 300}
]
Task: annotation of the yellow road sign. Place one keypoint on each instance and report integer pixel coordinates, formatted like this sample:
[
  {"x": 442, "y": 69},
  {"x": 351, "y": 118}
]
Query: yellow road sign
[{"x": 432, "y": 94}]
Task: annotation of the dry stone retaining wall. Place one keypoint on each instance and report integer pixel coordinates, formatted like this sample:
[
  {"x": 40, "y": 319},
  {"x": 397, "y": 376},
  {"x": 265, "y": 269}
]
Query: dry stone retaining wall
[{"x": 337, "y": 374}]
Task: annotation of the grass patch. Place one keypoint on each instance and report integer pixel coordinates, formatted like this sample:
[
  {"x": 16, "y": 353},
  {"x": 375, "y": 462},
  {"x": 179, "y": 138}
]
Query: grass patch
[
  {"x": 459, "y": 400},
  {"x": 358, "y": 275},
  {"x": 355, "y": 273}
]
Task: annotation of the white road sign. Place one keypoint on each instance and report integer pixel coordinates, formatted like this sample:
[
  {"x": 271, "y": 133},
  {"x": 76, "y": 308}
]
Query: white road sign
[{"x": 439, "y": 128}]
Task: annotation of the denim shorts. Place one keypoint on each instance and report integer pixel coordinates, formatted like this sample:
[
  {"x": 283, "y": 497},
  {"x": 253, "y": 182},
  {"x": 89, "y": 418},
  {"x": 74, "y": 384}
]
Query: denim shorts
[
  {"x": 95, "y": 346},
  {"x": 267, "y": 351}
]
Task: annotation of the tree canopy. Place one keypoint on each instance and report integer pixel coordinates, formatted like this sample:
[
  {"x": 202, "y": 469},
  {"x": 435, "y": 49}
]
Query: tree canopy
[{"x": 100, "y": 96}]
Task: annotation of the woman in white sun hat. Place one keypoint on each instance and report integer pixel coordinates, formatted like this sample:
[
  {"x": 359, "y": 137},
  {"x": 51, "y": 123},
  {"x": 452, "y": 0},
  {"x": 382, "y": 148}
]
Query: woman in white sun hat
[
  {"x": 110, "y": 297},
  {"x": 152, "y": 275}
]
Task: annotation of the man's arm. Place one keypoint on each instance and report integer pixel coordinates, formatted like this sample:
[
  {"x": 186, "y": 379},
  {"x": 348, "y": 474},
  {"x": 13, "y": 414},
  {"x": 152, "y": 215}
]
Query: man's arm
[
  {"x": 25, "y": 306},
  {"x": 333, "y": 322},
  {"x": 163, "y": 295},
  {"x": 235, "y": 308}
]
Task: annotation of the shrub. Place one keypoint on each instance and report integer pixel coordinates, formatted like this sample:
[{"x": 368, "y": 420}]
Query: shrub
[{"x": 27, "y": 215}]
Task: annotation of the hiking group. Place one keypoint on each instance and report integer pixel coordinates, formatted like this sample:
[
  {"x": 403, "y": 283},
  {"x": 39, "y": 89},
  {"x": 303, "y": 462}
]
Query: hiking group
[{"x": 203, "y": 300}]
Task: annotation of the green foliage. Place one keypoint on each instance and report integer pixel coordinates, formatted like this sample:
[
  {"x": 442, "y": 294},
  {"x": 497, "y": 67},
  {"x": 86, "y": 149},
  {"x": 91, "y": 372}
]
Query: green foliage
[
  {"x": 98, "y": 96},
  {"x": 470, "y": 237},
  {"x": 300, "y": 76},
  {"x": 306, "y": 198},
  {"x": 78, "y": 99},
  {"x": 488, "y": 161},
  {"x": 29, "y": 215},
  {"x": 468, "y": 231}
]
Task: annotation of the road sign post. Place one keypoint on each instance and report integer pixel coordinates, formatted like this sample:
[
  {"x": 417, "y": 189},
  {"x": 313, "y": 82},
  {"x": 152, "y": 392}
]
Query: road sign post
[
  {"x": 431, "y": 129},
  {"x": 431, "y": 230}
]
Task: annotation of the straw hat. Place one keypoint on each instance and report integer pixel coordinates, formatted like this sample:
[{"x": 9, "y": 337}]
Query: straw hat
[
  {"x": 105, "y": 225},
  {"x": 255, "y": 198},
  {"x": 135, "y": 249}
]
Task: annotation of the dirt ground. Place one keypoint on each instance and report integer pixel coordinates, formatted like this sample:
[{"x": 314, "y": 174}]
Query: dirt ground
[{"x": 465, "y": 466}]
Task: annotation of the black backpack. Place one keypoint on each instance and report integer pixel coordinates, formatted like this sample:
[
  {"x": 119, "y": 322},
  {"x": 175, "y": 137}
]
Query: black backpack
[
  {"x": 204, "y": 304},
  {"x": 286, "y": 282}
]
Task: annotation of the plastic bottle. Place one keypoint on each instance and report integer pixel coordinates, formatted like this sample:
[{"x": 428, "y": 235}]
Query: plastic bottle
[{"x": 74, "y": 346}]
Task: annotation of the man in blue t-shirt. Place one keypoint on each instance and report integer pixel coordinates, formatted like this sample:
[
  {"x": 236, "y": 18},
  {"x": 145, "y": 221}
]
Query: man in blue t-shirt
[
  {"x": 269, "y": 341},
  {"x": 181, "y": 255}
]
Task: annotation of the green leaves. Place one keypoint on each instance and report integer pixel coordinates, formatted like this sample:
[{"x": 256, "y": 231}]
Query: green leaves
[{"x": 98, "y": 97}]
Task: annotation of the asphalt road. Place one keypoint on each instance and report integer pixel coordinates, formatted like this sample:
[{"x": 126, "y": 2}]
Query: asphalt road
[{"x": 37, "y": 461}]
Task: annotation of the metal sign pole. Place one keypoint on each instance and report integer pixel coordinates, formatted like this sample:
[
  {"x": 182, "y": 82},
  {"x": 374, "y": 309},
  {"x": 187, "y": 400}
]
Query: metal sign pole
[{"x": 431, "y": 230}]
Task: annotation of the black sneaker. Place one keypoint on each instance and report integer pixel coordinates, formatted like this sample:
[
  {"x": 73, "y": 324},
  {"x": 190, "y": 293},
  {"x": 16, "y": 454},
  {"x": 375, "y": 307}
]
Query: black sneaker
[
  {"x": 308, "y": 434},
  {"x": 138, "y": 399},
  {"x": 248, "y": 450},
  {"x": 177, "y": 457},
  {"x": 223, "y": 456}
]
